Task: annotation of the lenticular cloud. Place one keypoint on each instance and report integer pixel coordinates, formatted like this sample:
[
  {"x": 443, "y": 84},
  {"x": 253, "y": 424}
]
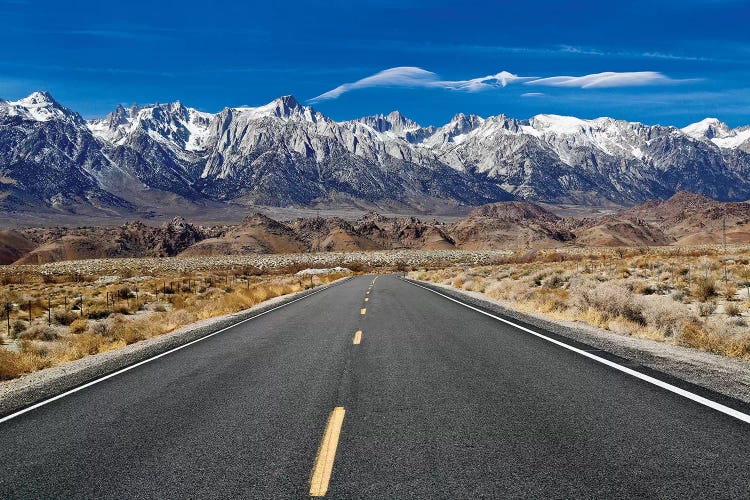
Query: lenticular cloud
[
  {"x": 604, "y": 80},
  {"x": 414, "y": 77}
]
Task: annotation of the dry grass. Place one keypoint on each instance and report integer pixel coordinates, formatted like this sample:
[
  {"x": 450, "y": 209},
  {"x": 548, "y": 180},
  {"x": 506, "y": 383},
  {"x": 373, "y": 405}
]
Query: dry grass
[
  {"x": 119, "y": 311},
  {"x": 705, "y": 289},
  {"x": 666, "y": 295}
]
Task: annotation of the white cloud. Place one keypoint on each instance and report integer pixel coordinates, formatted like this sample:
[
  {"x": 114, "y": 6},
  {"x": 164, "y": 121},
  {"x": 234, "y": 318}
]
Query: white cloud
[
  {"x": 604, "y": 80},
  {"x": 414, "y": 77},
  {"x": 533, "y": 94}
]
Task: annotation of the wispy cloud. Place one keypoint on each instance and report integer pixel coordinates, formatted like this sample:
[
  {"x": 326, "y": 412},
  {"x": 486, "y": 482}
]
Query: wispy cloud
[
  {"x": 414, "y": 77},
  {"x": 533, "y": 94},
  {"x": 607, "y": 79}
]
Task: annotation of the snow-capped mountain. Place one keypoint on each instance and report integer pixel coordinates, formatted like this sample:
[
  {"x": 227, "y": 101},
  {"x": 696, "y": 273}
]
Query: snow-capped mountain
[
  {"x": 39, "y": 107},
  {"x": 173, "y": 124},
  {"x": 284, "y": 153},
  {"x": 719, "y": 133}
]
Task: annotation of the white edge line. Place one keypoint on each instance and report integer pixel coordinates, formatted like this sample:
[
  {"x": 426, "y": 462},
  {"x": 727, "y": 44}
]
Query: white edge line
[
  {"x": 651, "y": 380},
  {"x": 148, "y": 360}
]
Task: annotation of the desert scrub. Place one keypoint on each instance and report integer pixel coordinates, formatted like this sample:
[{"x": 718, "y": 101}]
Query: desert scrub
[
  {"x": 668, "y": 295},
  {"x": 19, "y": 326},
  {"x": 110, "y": 324},
  {"x": 39, "y": 332},
  {"x": 79, "y": 326},
  {"x": 705, "y": 289},
  {"x": 733, "y": 309},
  {"x": 612, "y": 300},
  {"x": 706, "y": 309},
  {"x": 15, "y": 364},
  {"x": 64, "y": 318}
]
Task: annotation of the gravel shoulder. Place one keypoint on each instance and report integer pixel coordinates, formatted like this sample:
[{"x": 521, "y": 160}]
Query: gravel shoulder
[
  {"x": 25, "y": 391},
  {"x": 726, "y": 376}
]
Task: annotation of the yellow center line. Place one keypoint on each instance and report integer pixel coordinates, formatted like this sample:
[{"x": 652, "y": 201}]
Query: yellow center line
[
  {"x": 362, "y": 311},
  {"x": 366, "y": 299},
  {"x": 357, "y": 337},
  {"x": 323, "y": 468}
]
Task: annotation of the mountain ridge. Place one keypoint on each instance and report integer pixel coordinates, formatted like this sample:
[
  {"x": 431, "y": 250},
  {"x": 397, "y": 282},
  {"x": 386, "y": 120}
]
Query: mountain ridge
[
  {"x": 287, "y": 154},
  {"x": 685, "y": 219}
]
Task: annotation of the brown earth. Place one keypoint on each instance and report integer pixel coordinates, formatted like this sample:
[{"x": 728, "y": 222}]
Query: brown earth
[
  {"x": 13, "y": 246},
  {"x": 510, "y": 224},
  {"x": 684, "y": 219}
]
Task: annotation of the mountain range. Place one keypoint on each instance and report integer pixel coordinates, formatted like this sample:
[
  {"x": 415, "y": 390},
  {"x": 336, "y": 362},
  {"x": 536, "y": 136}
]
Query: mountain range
[
  {"x": 684, "y": 219},
  {"x": 145, "y": 159}
]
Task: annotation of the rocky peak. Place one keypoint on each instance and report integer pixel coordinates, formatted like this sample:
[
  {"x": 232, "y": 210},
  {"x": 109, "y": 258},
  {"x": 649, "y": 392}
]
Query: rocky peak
[
  {"x": 39, "y": 98},
  {"x": 39, "y": 106},
  {"x": 708, "y": 128},
  {"x": 392, "y": 122},
  {"x": 685, "y": 199},
  {"x": 513, "y": 211},
  {"x": 286, "y": 106}
]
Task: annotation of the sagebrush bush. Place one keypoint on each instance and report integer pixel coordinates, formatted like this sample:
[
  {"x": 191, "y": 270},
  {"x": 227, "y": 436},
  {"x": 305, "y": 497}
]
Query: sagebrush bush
[
  {"x": 554, "y": 281},
  {"x": 733, "y": 309},
  {"x": 15, "y": 364},
  {"x": 100, "y": 328},
  {"x": 79, "y": 326},
  {"x": 39, "y": 332},
  {"x": 97, "y": 313},
  {"x": 19, "y": 326},
  {"x": 84, "y": 344},
  {"x": 706, "y": 309},
  {"x": 644, "y": 288},
  {"x": 64, "y": 318},
  {"x": 665, "y": 315},
  {"x": 614, "y": 300},
  {"x": 705, "y": 289}
]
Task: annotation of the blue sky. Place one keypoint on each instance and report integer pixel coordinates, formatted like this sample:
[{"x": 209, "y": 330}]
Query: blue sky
[{"x": 669, "y": 62}]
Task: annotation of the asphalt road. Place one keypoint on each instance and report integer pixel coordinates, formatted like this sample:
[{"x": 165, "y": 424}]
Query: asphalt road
[{"x": 441, "y": 402}]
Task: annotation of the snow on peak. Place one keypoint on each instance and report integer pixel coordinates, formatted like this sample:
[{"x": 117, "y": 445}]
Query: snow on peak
[
  {"x": 38, "y": 98},
  {"x": 38, "y": 106},
  {"x": 708, "y": 128},
  {"x": 284, "y": 107},
  {"x": 718, "y": 132},
  {"x": 394, "y": 122},
  {"x": 557, "y": 124},
  {"x": 172, "y": 123}
]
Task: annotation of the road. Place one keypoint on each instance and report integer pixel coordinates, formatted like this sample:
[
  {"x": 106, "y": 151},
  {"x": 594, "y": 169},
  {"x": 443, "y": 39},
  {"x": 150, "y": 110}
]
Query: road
[{"x": 439, "y": 400}]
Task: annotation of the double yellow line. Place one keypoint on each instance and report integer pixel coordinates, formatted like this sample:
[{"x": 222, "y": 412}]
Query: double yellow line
[
  {"x": 321, "y": 473},
  {"x": 323, "y": 468}
]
